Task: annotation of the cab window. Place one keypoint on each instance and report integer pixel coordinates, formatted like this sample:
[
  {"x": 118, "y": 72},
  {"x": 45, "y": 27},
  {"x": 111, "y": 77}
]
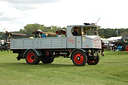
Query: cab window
[{"x": 76, "y": 31}]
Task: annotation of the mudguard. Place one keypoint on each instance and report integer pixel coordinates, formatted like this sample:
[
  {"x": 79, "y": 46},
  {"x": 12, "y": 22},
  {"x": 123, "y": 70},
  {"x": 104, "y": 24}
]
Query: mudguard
[
  {"x": 77, "y": 50},
  {"x": 38, "y": 52}
]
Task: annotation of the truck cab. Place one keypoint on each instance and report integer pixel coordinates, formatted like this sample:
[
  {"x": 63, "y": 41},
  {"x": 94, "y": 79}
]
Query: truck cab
[{"x": 87, "y": 37}]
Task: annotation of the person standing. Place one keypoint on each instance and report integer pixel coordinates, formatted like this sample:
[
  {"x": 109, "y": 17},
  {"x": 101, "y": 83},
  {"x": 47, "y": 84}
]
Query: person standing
[
  {"x": 113, "y": 48},
  {"x": 103, "y": 47}
]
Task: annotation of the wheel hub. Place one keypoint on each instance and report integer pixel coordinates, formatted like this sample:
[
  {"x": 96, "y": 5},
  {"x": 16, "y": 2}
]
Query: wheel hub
[
  {"x": 78, "y": 58},
  {"x": 32, "y": 57}
]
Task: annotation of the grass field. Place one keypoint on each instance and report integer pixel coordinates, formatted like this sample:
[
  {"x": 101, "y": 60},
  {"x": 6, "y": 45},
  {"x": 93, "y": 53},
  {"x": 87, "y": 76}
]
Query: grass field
[{"x": 111, "y": 70}]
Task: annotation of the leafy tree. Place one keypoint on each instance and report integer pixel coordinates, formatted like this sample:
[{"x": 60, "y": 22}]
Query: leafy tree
[{"x": 29, "y": 28}]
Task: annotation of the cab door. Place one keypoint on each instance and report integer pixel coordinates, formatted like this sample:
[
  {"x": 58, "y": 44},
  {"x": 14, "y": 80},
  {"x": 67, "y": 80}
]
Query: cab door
[{"x": 78, "y": 41}]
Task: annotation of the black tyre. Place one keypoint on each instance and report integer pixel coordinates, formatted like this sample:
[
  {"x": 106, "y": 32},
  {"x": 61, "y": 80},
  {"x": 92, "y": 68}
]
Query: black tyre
[
  {"x": 47, "y": 60},
  {"x": 94, "y": 60},
  {"x": 79, "y": 58},
  {"x": 31, "y": 57}
]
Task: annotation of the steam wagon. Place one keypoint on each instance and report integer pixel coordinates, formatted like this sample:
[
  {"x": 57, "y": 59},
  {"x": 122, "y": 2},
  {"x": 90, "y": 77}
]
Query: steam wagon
[{"x": 81, "y": 48}]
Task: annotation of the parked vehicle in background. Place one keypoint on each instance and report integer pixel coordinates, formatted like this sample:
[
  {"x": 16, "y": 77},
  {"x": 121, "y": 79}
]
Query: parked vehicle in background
[
  {"x": 122, "y": 44},
  {"x": 5, "y": 44}
]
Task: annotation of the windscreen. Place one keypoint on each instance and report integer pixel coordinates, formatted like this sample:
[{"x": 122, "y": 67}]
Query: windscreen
[
  {"x": 90, "y": 31},
  {"x": 78, "y": 31}
]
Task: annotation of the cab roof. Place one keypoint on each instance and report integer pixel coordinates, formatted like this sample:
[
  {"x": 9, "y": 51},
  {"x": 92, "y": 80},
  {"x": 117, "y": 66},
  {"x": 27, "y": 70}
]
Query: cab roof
[{"x": 90, "y": 26}]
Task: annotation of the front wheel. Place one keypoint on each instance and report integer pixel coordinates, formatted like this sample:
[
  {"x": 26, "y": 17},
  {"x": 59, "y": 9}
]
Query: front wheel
[
  {"x": 79, "y": 58},
  {"x": 31, "y": 57},
  {"x": 94, "y": 60}
]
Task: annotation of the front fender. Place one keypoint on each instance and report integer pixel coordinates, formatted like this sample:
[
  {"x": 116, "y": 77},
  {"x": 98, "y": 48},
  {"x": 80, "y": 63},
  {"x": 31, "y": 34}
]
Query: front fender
[{"x": 77, "y": 50}]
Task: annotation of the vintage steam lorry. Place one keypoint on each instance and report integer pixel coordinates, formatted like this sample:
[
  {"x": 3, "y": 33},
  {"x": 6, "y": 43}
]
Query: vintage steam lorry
[{"x": 81, "y": 49}]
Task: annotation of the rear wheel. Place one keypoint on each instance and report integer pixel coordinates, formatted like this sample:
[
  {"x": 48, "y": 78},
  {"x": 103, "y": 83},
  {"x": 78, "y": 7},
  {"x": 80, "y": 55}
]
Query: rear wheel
[
  {"x": 32, "y": 58},
  {"x": 47, "y": 58},
  {"x": 93, "y": 60},
  {"x": 79, "y": 58}
]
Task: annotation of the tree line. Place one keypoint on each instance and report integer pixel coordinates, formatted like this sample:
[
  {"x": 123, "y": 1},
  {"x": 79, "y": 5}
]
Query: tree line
[
  {"x": 110, "y": 32},
  {"x": 104, "y": 33},
  {"x": 29, "y": 28}
]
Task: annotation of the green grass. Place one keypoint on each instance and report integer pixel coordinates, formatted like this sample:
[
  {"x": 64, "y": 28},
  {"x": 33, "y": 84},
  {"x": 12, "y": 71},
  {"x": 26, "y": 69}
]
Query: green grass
[{"x": 111, "y": 70}]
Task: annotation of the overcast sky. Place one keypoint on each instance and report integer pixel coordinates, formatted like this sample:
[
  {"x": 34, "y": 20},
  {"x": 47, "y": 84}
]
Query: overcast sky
[{"x": 15, "y": 14}]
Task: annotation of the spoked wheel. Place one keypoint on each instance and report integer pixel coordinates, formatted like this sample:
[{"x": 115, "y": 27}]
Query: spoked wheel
[
  {"x": 79, "y": 58},
  {"x": 93, "y": 60},
  {"x": 48, "y": 58},
  {"x": 32, "y": 58}
]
